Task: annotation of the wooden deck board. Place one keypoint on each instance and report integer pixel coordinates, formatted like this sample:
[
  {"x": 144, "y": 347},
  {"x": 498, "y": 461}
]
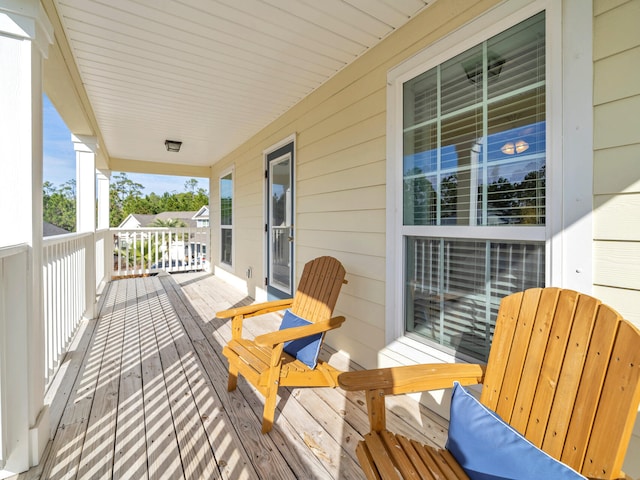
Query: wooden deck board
[{"x": 145, "y": 393}]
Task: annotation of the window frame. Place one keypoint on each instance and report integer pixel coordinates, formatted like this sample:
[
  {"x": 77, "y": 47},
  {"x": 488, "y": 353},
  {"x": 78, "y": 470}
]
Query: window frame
[
  {"x": 223, "y": 174},
  {"x": 400, "y": 347}
]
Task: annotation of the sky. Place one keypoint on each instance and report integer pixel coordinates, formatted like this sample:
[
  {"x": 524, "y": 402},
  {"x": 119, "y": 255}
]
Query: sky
[{"x": 60, "y": 159}]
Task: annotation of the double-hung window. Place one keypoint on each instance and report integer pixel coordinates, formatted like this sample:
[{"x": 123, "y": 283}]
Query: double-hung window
[
  {"x": 226, "y": 219},
  {"x": 474, "y": 160}
]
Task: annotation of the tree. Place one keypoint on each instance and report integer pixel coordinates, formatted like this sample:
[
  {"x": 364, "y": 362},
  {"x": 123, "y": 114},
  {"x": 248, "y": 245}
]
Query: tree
[
  {"x": 168, "y": 223},
  {"x": 122, "y": 192},
  {"x": 191, "y": 185},
  {"x": 59, "y": 204}
]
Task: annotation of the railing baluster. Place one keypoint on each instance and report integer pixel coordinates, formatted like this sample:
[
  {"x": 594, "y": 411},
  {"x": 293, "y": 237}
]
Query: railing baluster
[{"x": 64, "y": 288}]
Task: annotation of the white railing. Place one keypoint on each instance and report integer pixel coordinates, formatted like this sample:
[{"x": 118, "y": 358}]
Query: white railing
[
  {"x": 13, "y": 311},
  {"x": 71, "y": 277},
  {"x": 67, "y": 265},
  {"x": 143, "y": 251}
]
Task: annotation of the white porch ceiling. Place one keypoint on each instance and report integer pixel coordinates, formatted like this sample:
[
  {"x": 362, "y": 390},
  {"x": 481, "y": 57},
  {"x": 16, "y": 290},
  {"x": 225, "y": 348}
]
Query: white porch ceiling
[{"x": 211, "y": 73}]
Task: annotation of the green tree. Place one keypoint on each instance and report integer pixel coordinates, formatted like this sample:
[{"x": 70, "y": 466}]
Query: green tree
[
  {"x": 191, "y": 185},
  {"x": 168, "y": 223},
  {"x": 123, "y": 193},
  {"x": 59, "y": 204}
]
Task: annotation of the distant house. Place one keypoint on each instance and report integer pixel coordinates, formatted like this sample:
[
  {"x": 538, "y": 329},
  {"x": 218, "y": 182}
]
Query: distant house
[
  {"x": 49, "y": 229},
  {"x": 202, "y": 217},
  {"x": 136, "y": 220}
]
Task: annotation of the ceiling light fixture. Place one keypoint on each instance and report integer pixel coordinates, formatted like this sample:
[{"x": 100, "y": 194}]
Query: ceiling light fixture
[
  {"x": 510, "y": 148},
  {"x": 172, "y": 145}
]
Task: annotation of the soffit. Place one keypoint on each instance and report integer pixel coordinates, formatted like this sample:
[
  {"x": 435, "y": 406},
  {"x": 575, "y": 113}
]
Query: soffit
[{"x": 211, "y": 73}]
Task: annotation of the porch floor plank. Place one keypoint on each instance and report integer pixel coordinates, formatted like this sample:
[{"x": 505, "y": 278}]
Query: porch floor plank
[{"x": 149, "y": 397}]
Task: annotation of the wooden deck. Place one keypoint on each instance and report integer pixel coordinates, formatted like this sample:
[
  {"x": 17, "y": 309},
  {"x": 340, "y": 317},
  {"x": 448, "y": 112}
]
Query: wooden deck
[{"x": 142, "y": 394}]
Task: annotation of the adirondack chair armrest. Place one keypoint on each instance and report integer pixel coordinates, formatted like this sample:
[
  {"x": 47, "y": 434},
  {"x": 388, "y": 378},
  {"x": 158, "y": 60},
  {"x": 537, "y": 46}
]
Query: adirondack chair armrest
[
  {"x": 380, "y": 382},
  {"x": 275, "y": 338},
  {"x": 256, "y": 309},
  {"x": 412, "y": 378}
]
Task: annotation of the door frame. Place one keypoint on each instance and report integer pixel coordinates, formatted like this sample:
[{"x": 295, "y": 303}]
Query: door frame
[{"x": 291, "y": 139}]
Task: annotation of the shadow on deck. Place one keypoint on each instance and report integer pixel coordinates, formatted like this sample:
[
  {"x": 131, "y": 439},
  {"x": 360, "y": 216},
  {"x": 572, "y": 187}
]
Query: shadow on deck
[{"x": 142, "y": 394}]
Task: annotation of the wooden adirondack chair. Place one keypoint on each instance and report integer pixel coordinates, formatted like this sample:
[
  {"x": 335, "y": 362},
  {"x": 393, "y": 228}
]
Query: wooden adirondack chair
[
  {"x": 262, "y": 360},
  {"x": 563, "y": 370}
]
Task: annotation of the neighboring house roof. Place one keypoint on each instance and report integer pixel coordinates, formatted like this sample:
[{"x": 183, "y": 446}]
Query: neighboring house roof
[
  {"x": 202, "y": 214},
  {"x": 49, "y": 229},
  {"x": 137, "y": 220},
  {"x": 186, "y": 217}
]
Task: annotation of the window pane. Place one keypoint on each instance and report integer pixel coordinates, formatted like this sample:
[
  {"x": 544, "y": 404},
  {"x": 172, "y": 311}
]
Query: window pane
[
  {"x": 226, "y": 219},
  {"x": 226, "y": 200},
  {"x": 522, "y": 49},
  {"x": 461, "y": 81},
  {"x": 460, "y": 158},
  {"x": 474, "y": 143},
  {"x": 453, "y": 288},
  {"x": 226, "y": 237}
]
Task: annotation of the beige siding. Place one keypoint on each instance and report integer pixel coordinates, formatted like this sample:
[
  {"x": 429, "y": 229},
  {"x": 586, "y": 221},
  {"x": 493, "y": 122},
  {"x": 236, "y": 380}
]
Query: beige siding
[
  {"x": 616, "y": 153},
  {"x": 340, "y": 172},
  {"x": 616, "y": 217},
  {"x": 617, "y": 170},
  {"x": 341, "y": 166}
]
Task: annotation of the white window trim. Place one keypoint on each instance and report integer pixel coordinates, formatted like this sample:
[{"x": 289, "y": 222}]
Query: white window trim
[
  {"x": 229, "y": 268},
  {"x": 569, "y": 114}
]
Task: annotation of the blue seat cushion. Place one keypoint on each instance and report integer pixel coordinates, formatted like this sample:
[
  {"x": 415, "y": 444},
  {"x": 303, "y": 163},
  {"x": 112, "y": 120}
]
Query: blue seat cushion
[
  {"x": 304, "y": 349},
  {"x": 487, "y": 448}
]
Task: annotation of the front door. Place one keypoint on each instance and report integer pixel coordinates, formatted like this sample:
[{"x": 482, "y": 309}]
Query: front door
[{"x": 279, "y": 228}]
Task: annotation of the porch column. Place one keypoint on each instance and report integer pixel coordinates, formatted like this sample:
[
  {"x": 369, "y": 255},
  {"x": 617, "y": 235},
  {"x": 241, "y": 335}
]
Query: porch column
[
  {"x": 25, "y": 35},
  {"x": 86, "y": 147},
  {"x": 104, "y": 177}
]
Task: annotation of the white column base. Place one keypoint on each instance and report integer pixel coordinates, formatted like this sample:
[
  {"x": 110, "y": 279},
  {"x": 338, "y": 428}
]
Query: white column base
[{"x": 39, "y": 436}]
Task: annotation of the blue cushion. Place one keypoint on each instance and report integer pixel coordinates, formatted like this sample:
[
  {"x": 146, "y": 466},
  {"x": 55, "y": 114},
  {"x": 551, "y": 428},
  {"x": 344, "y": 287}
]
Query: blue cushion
[
  {"x": 487, "y": 448},
  {"x": 304, "y": 349}
]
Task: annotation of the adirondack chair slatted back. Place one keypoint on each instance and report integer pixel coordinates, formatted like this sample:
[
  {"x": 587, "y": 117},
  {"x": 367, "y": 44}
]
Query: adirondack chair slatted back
[
  {"x": 318, "y": 290},
  {"x": 564, "y": 370}
]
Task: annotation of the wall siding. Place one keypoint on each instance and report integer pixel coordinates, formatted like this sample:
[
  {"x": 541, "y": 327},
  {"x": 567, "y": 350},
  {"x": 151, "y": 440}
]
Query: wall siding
[
  {"x": 617, "y": 166},
  {"x": 340, "y": 172},
  {"x": 616, "y": 153},
  {"x": 340, "y": 161}
]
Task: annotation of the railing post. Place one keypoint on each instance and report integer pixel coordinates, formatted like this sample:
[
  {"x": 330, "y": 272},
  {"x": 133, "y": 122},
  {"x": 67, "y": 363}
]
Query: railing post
[{"x": 25, "y": 35}]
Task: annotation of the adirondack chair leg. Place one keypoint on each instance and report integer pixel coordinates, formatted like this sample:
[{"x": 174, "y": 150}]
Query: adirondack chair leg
[
  {"x": 233, "y": 377},
  {"x": 269, "y": 412}
]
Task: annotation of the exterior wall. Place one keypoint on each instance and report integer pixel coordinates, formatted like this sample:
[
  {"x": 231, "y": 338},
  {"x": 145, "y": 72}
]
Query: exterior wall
[
  {"x": 340, "y": 179},
  {"x": 616, "y": 143},
  {"x": 341, "y": 174},
  {"x": 616, "y": 154},
  {"x": 340, "y": 171}
]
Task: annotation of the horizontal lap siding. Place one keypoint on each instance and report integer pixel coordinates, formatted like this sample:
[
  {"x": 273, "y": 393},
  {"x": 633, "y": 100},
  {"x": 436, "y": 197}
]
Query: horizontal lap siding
[
  {"x": 617, "y": 166},
  {"x": 616, "y": 153},
  {"x": 340, "y": 185}
]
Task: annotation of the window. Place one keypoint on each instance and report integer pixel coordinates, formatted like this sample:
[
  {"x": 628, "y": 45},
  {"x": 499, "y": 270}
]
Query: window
[
  {"x": 474, "y": 158},
  {"x": 226, "y": 219}
]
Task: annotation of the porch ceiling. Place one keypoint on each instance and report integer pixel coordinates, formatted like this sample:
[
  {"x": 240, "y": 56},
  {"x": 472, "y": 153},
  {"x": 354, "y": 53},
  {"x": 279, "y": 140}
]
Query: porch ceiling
[{"x": 210, "y": 73}]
